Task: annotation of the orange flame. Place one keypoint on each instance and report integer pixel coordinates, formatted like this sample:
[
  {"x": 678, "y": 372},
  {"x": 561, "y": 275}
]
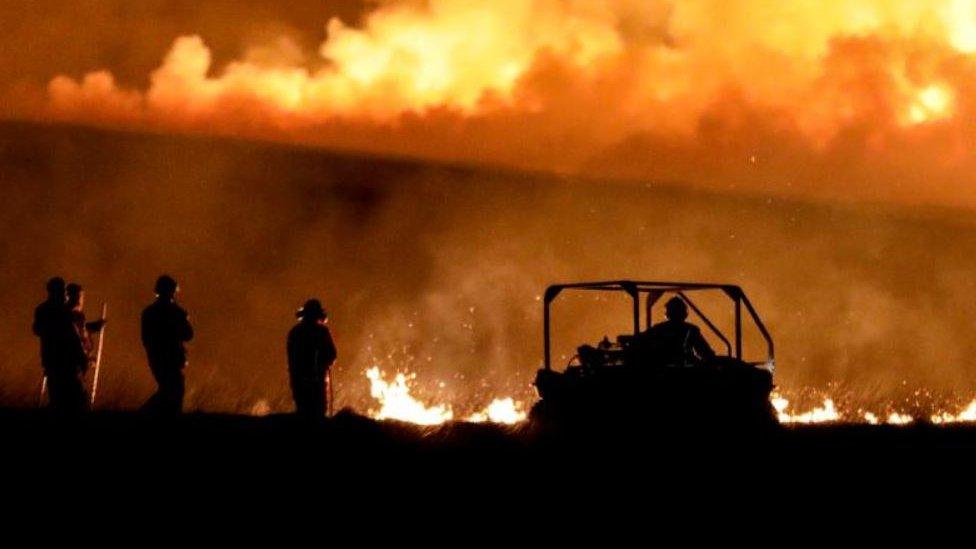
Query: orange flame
[
  {"x": 806, "y": 79},
  {"x": 824, "y": 414},
  {"x": 612, "y": 83},
  {"x": 967, "y": 415},
  {"x": 473, "y": 56},
  {"x": 397, "y": 402},
  {"x": 829, "y": 413}
]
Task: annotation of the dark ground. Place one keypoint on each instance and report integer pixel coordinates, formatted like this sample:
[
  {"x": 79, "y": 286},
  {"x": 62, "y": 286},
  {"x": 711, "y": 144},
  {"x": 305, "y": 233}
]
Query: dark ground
[
  {"x": 230, "y": 476},
  {"x": 349, "y": 437}
]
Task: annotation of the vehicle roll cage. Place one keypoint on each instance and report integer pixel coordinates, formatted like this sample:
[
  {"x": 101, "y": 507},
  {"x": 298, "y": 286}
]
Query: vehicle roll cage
[{"x": 654, "y": 291}]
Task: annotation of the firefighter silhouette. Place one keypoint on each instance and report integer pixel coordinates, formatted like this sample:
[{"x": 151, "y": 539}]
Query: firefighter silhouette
[
  {"x": 63, "y": 356},
  {"x": 165, "y": 330},
  {"x": 674, "y": 342},
  {"x": 311, "y": 352}
]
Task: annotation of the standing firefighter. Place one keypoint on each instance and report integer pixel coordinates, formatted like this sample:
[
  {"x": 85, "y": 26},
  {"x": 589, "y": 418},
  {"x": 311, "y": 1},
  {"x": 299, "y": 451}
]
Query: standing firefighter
[
  {"x": 165, "y": 330},
  {"x": 62, "y": 354},
  {"x": 311, "y": 352}
]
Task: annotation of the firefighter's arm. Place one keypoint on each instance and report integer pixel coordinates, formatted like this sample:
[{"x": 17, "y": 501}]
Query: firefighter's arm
[
  {"x": 187, "y": 328},
  {"x": 36, "y": 326},
  {"x": 701, "y": 346},
  {"x": 329, "y": 351},
  {"x": 290, "y": 350},
  {"x": 144, "y": 330}
]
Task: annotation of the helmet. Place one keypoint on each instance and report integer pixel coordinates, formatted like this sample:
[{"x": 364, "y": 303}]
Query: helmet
[{"x": 312, "y": 310}]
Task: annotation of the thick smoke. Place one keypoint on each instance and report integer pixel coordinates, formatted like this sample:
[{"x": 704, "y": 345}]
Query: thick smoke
[
  {"x": 438, "y": 270},
  {"x": 866, "y": 99}
]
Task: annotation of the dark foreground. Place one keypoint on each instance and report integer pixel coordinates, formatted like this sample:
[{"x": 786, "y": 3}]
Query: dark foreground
[
  {"x": 221, "y": 465},
  {"x": 34, "y": 436}
]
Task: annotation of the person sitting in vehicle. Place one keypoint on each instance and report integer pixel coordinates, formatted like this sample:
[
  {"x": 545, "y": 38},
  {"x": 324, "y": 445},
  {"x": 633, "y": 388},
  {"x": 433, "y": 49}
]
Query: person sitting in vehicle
[{"x": 674, "y": 342}]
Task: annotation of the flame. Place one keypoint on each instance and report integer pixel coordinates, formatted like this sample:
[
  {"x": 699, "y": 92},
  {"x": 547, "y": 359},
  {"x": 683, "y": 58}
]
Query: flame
[
  {"x": 405, "y": 58},
  {"x": 501, "y": 410},
  {"x": 967, "y": 415},
  {"x": 786, "y": 97},
  {"x": 594, "y": 74},
  {"x": 932, "y": 103},
  {"x": 472, "y": 57},
  {"x": 823, "y": 414},
  {"x": 829, "y": 413},
  {"x": 960, "y": 18},
  {"x": 397, "y": 403},
  {"x": 896, "y": 418}
]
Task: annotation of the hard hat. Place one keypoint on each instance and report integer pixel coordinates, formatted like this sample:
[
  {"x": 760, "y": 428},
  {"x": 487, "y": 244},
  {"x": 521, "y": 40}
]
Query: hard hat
[{"x": 312, "y": 310}]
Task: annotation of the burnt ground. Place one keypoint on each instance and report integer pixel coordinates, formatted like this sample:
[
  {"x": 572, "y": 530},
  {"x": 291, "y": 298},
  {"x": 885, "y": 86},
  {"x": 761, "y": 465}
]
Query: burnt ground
[
  {"x": 232, "y": 475},
  {"x": 35, "y": 436}
]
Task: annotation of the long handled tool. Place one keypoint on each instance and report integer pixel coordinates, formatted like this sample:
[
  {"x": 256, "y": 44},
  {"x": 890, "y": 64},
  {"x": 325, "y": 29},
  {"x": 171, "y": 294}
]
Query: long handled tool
[
  {"x": 43, "y": 393},
  {"x": 330, "y": 410},
  {"x": 98, "y": 355}
]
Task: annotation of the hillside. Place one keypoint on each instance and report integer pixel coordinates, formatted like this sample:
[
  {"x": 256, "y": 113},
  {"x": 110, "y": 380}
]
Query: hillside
[{"x": 436, "y": 268}]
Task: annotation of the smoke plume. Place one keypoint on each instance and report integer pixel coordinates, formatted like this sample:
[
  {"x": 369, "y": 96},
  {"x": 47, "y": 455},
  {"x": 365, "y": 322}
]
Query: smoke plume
[{"x": 864, "y": 99}]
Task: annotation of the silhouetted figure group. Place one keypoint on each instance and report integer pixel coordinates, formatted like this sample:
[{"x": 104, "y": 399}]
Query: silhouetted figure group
[
  {"x": 67, "y": 350},
  {"x": 674, "y": 342}
]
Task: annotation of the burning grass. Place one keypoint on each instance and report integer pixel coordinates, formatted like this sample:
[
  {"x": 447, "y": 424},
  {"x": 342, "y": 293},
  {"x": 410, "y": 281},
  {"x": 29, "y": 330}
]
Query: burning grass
[
  {"x": 397, "y": 400},
  {"x": 929, "y": 410},
  {"x": 397, "y": 403}
]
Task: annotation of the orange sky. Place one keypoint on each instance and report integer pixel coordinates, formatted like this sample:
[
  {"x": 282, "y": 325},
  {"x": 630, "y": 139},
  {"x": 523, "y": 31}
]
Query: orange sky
[{"x": 859, "y": 99}]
